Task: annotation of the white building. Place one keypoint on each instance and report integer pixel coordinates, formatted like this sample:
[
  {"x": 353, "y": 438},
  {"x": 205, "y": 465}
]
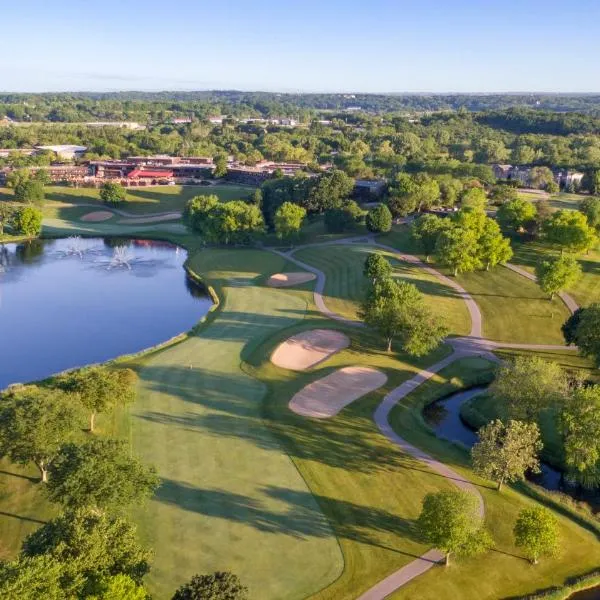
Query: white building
[{"x": 65, "y": 150}]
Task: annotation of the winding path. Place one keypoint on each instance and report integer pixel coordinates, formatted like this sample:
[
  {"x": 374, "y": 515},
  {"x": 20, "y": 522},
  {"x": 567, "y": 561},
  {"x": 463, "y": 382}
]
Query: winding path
[{"x": 472, "y": 345}]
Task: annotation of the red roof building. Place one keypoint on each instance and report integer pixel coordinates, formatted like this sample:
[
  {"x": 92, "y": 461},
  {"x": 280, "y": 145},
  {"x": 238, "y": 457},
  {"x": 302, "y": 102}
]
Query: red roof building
[{"x": 145, "y": 174}]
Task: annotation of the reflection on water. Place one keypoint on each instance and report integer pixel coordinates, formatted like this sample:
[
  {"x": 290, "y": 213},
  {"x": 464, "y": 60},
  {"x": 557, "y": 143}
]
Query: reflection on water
[{"x": 75, "y": 301}]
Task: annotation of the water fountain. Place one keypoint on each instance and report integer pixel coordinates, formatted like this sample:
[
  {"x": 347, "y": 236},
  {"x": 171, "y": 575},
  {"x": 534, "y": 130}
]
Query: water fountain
[{"x": 122, "y": 257}]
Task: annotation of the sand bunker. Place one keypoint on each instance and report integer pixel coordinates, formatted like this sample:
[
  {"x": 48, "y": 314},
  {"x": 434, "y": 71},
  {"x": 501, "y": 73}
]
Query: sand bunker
[
  {"x": 325, "y": 397},
  {"x": 289, "y": 279},
  {"x": 308, "y": 348},
  {"x": 97, "y": 215}
]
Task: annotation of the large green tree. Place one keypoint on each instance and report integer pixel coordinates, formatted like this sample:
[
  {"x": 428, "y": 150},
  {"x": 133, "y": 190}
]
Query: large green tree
[
  {"x": 328, "y": 191},
  {"x": 90, "y": 546},
  {"x": 587, "y": 334},
  {"x": 541, "y": 177},
  {"x": 34, "y": 578},
  {"x": 100, "y": 473},
  {"x": 451, "y": 522},
  {"x": 216, "y": 586},
  {"x": 379, "y": 219},
  {"x": 474, "y": 197},
  {"x": 457, "y": 248},
  {"x": 396, "y": 310},
  {"x": 493, "y": 248},
  {"x": 557, "y": 274},
  {"x": 580, "y": 424},
  {"x": 504, "y": 453},
  {"x": 425, "y": 231},
  {"x": 288, "y": 220},
  {"x": 536, "y": 531},
  {"x": 569, "y": 230},
  {"x": 516, "y": 215},
  {"x": 34, "y": 423},
  {"x": 377, "y": 267},
  {"x": 345, "y": 217},
  {"x": 529, "y": 385},
  {"x": 590, "y": 207},
  {"x": 30, "y": 190},
  {"x": 99, "y": 388}
]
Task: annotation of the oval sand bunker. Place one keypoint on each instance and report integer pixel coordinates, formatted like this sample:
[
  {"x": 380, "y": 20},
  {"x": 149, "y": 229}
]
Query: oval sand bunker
[
  {"x": 308, "y": 348},
  {"x": 289, "y": 279},
  {"x": 325, "y": 397},
  {"x": 96, "y": 216}
]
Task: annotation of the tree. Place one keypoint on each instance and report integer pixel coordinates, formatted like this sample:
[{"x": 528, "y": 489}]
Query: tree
[
  {"x": 328, "y": 191},
  {"x": 31, "y": 579},
  {"x": 216, "y": 586},
  {"x": 236, "y": 222},
  {"x": 119, "y": 587},
  {"x": 30, "y": 190},
  {"x": 344, "y": 218},
  {"x": 28, "y": 221},
  {"x": 113, "y": 193},
  {"x": 540, "y": 177},
  {"x": 569, "y": 230},
  {"x": 220, "y": 162},
  {"x": 7, "y": 214},
  {"x": 199, "y": 214},
  {"x": 587, "y": 334},
  {"x": 503, "y": 193},
  {"x": 288, "y": 220},
  {"x": 425, "y": 231},
  {"x": 516, "y": 215},
  {"x": 529, "y": 385},
  {"x": 557, "y": 274},
  {"x": 552, "y": 187},
  {"x": 379, "y": 219},
  {"x": 580, "y": 425},
  {"x": 34, "y": 423},
  {"x": 590, "y": 207},
  {"x": 543, "y": 212},
  {"x": 457, "y": 248},
  {"x": 99, "y": 474},
  {"x": 451, "y": 522},
  {"x": 396, "y": 310},
  {"x": 474, "y": 198},
  {"x": 90, "y": 546},
  {"x": 504, "y": 453},
  {"x": 377, "y": 267},
  {"x": 427, "y": 192},
  {"x": 536, "y": 531},
  {"x": 493, "y": 247},
  {"x": 99, "y": 388},
  {"x": 569, "y": 327}
]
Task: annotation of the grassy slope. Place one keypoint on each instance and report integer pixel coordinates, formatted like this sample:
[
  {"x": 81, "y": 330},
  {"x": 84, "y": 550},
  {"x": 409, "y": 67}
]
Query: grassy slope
[
  {"x": 501, "y": 572},
  {"x": 514, "y": 309},
  {"x": 586, "y": 290},
  {"x": 345, "y": 285},
  {"x": 359, "y": 479},
  {"x": 228, "y": 487}
]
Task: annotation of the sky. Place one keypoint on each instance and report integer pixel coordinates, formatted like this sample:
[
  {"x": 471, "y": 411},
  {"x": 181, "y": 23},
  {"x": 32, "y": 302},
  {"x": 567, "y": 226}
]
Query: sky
[{"x": 301, "y": 46}]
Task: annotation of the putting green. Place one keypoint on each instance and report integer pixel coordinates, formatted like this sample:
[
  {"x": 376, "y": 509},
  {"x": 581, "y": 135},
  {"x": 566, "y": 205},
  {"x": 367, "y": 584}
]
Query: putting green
[{"x": 231, "y": 498}]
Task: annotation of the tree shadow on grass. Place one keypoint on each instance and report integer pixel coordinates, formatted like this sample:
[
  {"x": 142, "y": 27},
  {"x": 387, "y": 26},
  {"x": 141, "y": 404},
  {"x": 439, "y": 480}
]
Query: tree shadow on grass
[{"x": 297, "y": 514}]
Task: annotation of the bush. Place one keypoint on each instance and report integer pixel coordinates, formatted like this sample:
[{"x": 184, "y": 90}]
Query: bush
[
  {"x": 379, "y": 220},
  {"x": 344, "y": 218},
  {"x": 113, "y": 193},
  {"x": 28, "y": 221}
]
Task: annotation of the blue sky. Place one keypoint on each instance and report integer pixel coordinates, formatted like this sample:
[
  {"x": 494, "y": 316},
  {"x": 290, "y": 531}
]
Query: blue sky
[{"x": 327, "y": 45}]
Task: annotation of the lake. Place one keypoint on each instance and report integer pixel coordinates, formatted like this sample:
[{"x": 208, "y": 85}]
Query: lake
[{"x": 71, "y": 302}]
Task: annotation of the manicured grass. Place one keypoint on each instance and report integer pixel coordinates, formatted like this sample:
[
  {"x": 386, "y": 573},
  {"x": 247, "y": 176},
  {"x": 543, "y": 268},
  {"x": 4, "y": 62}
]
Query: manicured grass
[
  {"x": 502, "y": 572},
  {"x": 369, "y": 490},
  {"x": 142, "y": 200},
  {"x": 231, "y": 498},
  {"x": 514, "y": 309},
  {"x": 586, "y": 290},
  {"x": 346, "y": 286}
]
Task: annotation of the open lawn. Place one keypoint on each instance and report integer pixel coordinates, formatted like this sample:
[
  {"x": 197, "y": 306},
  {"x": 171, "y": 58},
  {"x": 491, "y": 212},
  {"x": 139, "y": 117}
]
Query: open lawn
[
  {"x": 586, "y": 290},
  {"x": 140, "y": 201},
  {"x": 502, "y": 572},
  {"x": 514, "y": 309},
  {"x": 229, "y": 488},
  {"x": 370, "y": 491},
  {"x": 345, "y": 284}
]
